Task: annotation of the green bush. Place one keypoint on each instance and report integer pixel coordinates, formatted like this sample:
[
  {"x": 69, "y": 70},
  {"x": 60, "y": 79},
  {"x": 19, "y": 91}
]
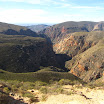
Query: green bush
[
  {"x": 65, "y": 82},
  {"x": 38, "y": 84},
  {"x": 6, "y": 90},
  {"x": 27, "y": 94},
  {"x": 59, "y": 90}
]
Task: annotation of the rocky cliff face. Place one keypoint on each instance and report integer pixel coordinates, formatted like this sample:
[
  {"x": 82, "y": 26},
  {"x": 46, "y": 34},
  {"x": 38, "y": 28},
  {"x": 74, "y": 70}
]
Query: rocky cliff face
[
  {"x": 78, "y": 42},
  {"x": 88, "y": 64},
  {"x": 24, "y": 54}
]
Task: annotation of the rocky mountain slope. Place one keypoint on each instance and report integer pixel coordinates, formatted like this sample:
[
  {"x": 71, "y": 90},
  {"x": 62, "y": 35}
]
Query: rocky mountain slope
[
  {"x": 88, "y": 57},
  {"x": 37, "y": 28},
  {"x": 83, "y": 42},
  {"x": 59, "y": 31},
  {"x": 78, "y": 42},
  {"x": 87, "y": 52}
]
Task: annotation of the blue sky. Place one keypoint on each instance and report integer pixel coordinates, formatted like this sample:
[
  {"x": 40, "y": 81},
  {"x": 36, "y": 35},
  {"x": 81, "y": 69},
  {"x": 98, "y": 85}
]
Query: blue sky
[{"x": 50, "y": 11}]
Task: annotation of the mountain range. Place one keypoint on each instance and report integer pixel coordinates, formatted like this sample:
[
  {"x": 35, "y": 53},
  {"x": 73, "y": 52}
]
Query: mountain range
[
  {"x": 76, "y": 47},
  {"x": 59, "y": 31}
]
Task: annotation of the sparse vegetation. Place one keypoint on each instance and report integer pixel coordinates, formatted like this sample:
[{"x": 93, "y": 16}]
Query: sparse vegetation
[
  {"x": 6, "y": 90},
  {"x": 44, "y": 98},
  {"x": 44, "y": 76},
  {"x": 27, "y": 94},
  {"x": 43, "y": 90}
]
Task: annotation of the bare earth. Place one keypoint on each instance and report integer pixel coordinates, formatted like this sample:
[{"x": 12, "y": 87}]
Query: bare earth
[{"x": 82, "y": 96}]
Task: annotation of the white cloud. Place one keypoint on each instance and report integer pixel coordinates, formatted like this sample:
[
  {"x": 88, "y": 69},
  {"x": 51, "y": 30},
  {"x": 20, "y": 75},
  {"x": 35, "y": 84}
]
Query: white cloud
[
  {"x": 41, "y": 16},
  {"x": 31, "y": 16},
  {"x": 87, "y": 7},
  {"x": 42, "y": 2},
  {"x": 21, "y": 15},
  {"x": 26, "y": 1},
  {"x": 72, "y": 15}
]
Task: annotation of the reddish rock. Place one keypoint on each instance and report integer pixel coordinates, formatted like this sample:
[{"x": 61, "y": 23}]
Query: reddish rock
[
  {"x": 63, "y": 29},
  {"x": 73, "y": 72},
  {"x": 71, "y": 37},
  {"x": 75, "y": 43},
  {"x": 81, "y": 68}
]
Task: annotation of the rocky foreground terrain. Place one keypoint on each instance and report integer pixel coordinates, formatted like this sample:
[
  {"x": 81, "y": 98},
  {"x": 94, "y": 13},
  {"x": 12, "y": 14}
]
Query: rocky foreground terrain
[
  {"x": 76, "y": 95},
  {"x": 81, "y": 96}
]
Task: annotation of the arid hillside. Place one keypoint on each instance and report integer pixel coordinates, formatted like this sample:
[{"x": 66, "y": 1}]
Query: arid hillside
[{"x": 10, "y": 29}]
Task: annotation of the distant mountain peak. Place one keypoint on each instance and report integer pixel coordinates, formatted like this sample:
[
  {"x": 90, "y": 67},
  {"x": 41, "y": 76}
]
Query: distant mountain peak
[{"x": 38, "y": 27}]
